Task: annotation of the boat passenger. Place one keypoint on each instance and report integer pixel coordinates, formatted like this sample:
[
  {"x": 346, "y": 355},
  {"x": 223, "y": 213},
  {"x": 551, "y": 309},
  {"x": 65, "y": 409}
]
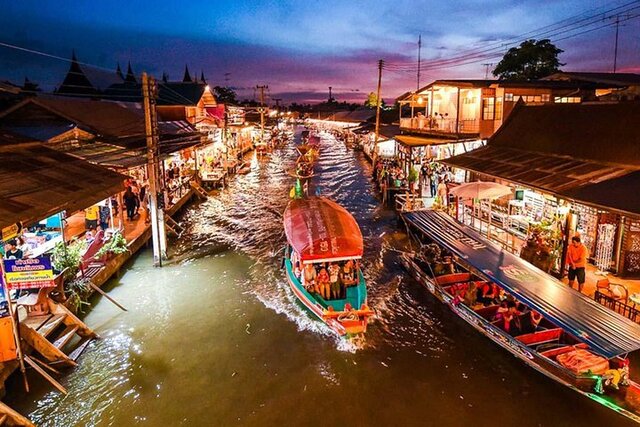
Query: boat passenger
[
  {"x": 531, "y": 322},
  {"x": 323, "y": 287},
  {"x": 511, "y": 320},
  {"x": 487, "y": 294},
  {"x": 310, "y": 278},
  {"x": 296, "y": 270},
  {"x": 500, "y": 312},
  {"x": 334, "y": 280},
  {"x": 348, "y": 274},
  {"x": 471, "y": 295}
]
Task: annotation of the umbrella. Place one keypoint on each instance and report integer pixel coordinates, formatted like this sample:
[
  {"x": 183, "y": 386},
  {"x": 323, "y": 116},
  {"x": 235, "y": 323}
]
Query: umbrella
[{"x": 481, "y": 190}]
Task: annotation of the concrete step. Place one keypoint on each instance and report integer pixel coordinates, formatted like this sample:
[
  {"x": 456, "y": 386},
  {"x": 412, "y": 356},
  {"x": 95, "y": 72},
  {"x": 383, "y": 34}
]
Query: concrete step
[{"x": 66, "y": 336}]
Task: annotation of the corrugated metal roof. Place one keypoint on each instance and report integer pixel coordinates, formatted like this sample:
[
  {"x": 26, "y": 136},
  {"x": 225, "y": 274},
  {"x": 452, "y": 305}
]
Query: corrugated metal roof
[
  {"x": 37, "y": 182},
  {"x": 605, "y": 331}
]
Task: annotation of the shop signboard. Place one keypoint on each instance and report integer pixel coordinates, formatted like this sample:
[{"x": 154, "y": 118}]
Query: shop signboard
[
  {"x": 11, "y": 231},
  {"x": 28, "y": 273}
]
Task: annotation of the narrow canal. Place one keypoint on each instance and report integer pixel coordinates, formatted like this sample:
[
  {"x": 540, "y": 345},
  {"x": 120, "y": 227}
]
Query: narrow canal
[{"x": 217, "y": 339}]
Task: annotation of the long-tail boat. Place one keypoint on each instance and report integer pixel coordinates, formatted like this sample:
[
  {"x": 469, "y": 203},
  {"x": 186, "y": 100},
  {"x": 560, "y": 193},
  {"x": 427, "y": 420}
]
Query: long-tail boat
[
  {"x": 321, "y": 232},
  {"x": 556, "y": 330}
]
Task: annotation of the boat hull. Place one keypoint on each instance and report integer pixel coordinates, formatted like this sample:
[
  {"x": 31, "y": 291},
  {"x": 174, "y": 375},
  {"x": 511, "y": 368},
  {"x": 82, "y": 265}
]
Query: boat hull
[
  {"x": 342, "y": 322},
  {"x": 583, "y": 384}
]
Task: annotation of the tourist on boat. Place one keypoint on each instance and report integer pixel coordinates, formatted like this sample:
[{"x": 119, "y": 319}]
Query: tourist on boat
[
  {"x": 530, "y": 323},
  {"x": 511, "y": 320},
  {"x": 88, "y": 237},
  {"x": 323, "y": 284},
  {"x": 577, "y": 260},
  {"x": 334, "y": 280},
  {"x": 348, "y": 274},
  {"x": 471, "y": 295},
  {"x": 488, "y": 293},
  {"x": 310, "y": 276},
  {"x": 296, "y": 270}
]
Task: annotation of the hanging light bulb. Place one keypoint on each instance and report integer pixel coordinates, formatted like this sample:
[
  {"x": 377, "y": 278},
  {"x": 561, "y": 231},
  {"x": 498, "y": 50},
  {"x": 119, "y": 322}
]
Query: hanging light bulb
[{"x": 420, "y": 100}]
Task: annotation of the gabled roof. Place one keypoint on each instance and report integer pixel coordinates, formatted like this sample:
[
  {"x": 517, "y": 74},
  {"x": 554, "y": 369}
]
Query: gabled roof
[
  {"x": 105, "y": 118},
  {"x": 603, "y": 132},
  {"x": 180, "y": 93},
  {"x": 87, "y": 81}
]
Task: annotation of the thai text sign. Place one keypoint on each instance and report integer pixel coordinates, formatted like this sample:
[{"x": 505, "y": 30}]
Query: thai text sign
[{"x": 28, "y": 273}]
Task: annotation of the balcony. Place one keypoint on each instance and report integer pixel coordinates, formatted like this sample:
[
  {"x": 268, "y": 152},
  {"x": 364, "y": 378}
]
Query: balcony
[{"x": 441, "y": 126}]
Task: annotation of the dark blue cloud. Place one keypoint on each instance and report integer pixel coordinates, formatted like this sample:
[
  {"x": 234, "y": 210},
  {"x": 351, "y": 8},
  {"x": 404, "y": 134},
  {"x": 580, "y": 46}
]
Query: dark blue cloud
[{"x": 294, "y": 46}]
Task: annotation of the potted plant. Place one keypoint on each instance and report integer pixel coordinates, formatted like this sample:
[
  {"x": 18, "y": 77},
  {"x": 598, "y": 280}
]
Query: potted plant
[
  {"x": 67, "y": 258},
  {"x": 115, "y": 246}
]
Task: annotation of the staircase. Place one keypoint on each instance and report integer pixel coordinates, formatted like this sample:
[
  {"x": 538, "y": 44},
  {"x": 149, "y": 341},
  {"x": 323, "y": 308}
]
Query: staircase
[
  {"x": 172, "y": 226},
  {"x": 201, "y": 192},
  {"x": 49, "y": 334}
]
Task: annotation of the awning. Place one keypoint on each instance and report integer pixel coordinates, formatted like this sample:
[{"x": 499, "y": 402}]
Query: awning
[
  {"x": 417, "y": 141},
  {"x": 37, "y": 182},
  {"x": 320, "y": 229},
  {"x": 605, "y": 331},
  {"x": 563, "y": 176}
]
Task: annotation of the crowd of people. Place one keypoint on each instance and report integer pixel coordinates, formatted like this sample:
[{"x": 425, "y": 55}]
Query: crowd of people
[
  {"x": 328, "y": 280},
  {"x": 511, "y": 316}
]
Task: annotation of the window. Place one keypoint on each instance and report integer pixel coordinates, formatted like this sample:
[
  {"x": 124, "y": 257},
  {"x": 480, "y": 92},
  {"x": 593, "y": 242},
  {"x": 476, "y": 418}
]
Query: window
[
  {"x": 488, "y": 108},
  {"x": 546, "y": 97},
  {"x": 469, "y": 100},
  {"x": 499, "y": 108},
  {"x": 508, "y": 97},
  {"x": 567, "y": 99},
  {"x": 516, "y": 98}
]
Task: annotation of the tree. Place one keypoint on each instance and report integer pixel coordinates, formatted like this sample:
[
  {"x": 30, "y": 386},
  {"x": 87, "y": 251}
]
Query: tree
[
  {"x": 225, "y": 95},
  {"x": 372, "y": 100},
  {"x": 531, "y": 60}
]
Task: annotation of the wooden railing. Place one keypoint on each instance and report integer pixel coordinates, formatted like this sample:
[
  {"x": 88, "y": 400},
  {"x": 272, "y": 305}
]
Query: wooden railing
[{"x": 620, "y": 306}]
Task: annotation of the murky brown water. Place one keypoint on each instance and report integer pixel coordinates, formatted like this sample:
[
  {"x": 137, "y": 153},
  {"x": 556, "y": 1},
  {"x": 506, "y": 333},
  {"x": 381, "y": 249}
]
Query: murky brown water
[{"x": 217, "y": 339}]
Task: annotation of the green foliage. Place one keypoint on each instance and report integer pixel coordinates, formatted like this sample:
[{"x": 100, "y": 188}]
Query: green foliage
[
  {"x": 225, "y": 95},
  {"x": 68, "y": 257},
  {"x": 116, "y": 245},
  {"x": 531, "y": 60},
  {"x": 77, "y": 291},
  {"x": 372, "y": 100},
  {"x": 413, "y": 175}
]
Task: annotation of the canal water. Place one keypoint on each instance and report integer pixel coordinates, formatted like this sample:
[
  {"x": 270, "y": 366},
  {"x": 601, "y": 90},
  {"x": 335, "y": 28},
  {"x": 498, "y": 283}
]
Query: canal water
[{"x": 216, "y": 338}]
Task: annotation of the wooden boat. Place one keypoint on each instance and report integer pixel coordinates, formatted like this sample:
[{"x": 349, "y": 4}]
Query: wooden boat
[
  {"x": 321, "y": 231},
  {"x": 578, "y": 342}
]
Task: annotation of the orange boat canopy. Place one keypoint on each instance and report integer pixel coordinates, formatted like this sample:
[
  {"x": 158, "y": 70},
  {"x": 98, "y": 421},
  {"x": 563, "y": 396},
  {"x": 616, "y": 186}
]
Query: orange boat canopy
[{"x": 319, "y": 229}]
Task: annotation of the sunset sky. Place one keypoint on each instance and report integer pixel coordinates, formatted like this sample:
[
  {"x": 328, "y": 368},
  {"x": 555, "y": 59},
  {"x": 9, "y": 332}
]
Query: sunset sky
[{"x": 298, "y": 48}]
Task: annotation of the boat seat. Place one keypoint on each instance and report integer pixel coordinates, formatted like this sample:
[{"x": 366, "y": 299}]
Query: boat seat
[
  {"x": 488, "y": 312},
  {"x": 449, "y": 279},
  {"x": 541, "y": 337},
  {"x": 561, "y": 350}
]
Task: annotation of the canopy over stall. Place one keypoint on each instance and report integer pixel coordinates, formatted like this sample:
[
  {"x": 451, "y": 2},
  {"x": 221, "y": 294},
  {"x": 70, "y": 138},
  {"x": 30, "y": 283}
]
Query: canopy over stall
[
  {"x": 321, "y": 230},
  {"x": 605, "y": 331},
  {"x": 37, "y": 182}
]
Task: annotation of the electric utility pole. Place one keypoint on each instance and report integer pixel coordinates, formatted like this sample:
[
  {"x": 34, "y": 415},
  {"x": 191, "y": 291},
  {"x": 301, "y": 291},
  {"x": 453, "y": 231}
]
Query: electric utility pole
[
  {"x": 262, "y": 110},
  {"x": 419, "y": 61},
  {"x": 378, "y": 101},
  {"x": 486, "y": 69},
  {"x": 156, "y": 194}
]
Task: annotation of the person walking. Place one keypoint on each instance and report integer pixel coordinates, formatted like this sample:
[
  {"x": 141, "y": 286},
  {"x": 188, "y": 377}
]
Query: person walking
[
  {"x": 577, "y": 254},
  {"x": 130, "y": 201}
]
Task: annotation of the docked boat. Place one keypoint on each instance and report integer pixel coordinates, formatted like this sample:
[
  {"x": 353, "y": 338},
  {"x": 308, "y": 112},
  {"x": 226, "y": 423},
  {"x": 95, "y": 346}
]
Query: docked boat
[
  {"x": 322, "y": 234},
  {"x": 549, "y": 326}
]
